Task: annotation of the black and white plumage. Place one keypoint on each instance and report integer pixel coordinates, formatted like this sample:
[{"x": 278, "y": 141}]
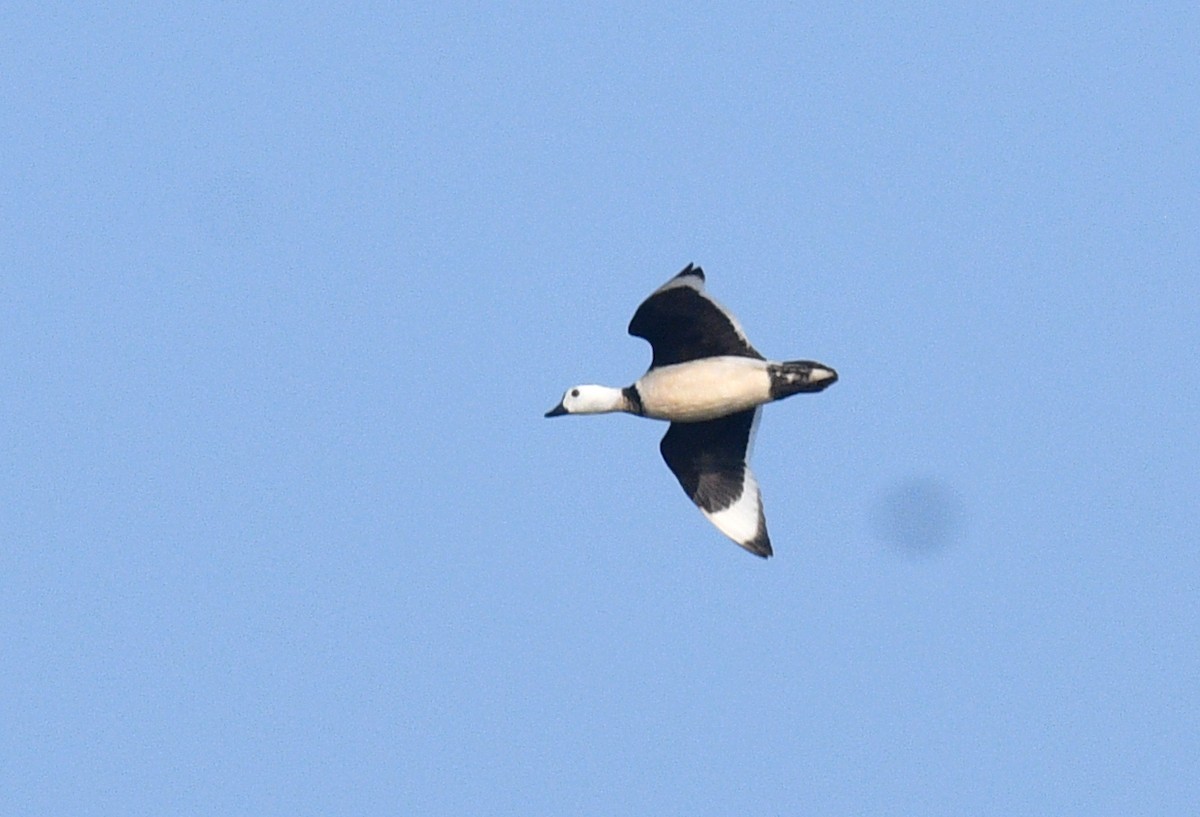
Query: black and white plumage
[{"x": 709, "y": 382}]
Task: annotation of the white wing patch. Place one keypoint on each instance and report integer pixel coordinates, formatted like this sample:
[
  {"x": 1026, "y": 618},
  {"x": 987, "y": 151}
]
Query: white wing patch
[
  {"x": 741, "y": 521},
  {"x": 683, "y": 279}
]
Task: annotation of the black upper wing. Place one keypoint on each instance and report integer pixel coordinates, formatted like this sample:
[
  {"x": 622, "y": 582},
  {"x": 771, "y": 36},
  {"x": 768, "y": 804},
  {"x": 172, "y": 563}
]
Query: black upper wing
[{"x": 682, "y": 323}]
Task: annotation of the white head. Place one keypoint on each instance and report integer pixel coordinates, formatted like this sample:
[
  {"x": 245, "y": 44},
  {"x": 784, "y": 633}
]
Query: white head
[{"x": 589, "y": 400}]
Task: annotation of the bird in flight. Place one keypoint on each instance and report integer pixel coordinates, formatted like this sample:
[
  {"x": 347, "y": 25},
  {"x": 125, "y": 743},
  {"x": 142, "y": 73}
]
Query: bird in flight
[{"x": 710, "y": 383}]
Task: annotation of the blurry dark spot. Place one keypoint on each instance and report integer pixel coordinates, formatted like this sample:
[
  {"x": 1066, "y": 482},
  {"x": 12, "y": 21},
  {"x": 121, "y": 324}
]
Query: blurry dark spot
[{"x": 919, "y": 515}]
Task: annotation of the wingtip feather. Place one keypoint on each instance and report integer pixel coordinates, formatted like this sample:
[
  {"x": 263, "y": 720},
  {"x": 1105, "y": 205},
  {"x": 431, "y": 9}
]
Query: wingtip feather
[{"x": 759, "y": 547}]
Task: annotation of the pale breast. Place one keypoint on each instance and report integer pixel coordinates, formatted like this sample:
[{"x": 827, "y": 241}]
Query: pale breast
[{"x": 704, "y": 389}]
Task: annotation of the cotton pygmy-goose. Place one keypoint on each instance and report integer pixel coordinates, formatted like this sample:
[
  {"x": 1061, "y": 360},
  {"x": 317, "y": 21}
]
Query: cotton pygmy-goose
[{"x": 709, "y": 382}]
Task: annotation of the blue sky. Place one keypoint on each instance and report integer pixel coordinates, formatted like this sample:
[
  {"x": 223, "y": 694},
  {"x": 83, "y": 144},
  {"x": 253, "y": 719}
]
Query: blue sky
[{"x": 284, "y": 293}]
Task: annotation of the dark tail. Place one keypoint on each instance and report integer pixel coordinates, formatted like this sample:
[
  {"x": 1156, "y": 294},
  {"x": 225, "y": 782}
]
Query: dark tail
[{"x": 795, "y": 376}]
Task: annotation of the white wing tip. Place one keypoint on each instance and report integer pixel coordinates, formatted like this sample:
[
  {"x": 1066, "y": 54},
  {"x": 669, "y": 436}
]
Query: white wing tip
[{"x": 743, "y": 521}]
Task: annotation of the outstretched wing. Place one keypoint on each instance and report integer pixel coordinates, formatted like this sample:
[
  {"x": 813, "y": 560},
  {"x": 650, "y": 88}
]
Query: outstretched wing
[
  {"x": 683, "y": 323},
  {"x": 710, "y": 461}
]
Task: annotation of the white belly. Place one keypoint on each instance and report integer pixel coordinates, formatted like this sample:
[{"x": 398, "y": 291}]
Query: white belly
[{"x": 704, "y": 389}]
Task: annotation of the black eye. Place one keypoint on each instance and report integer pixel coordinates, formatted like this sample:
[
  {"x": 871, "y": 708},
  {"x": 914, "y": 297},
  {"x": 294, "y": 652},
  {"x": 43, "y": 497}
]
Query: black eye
[{"x": 574, "y": 392}]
